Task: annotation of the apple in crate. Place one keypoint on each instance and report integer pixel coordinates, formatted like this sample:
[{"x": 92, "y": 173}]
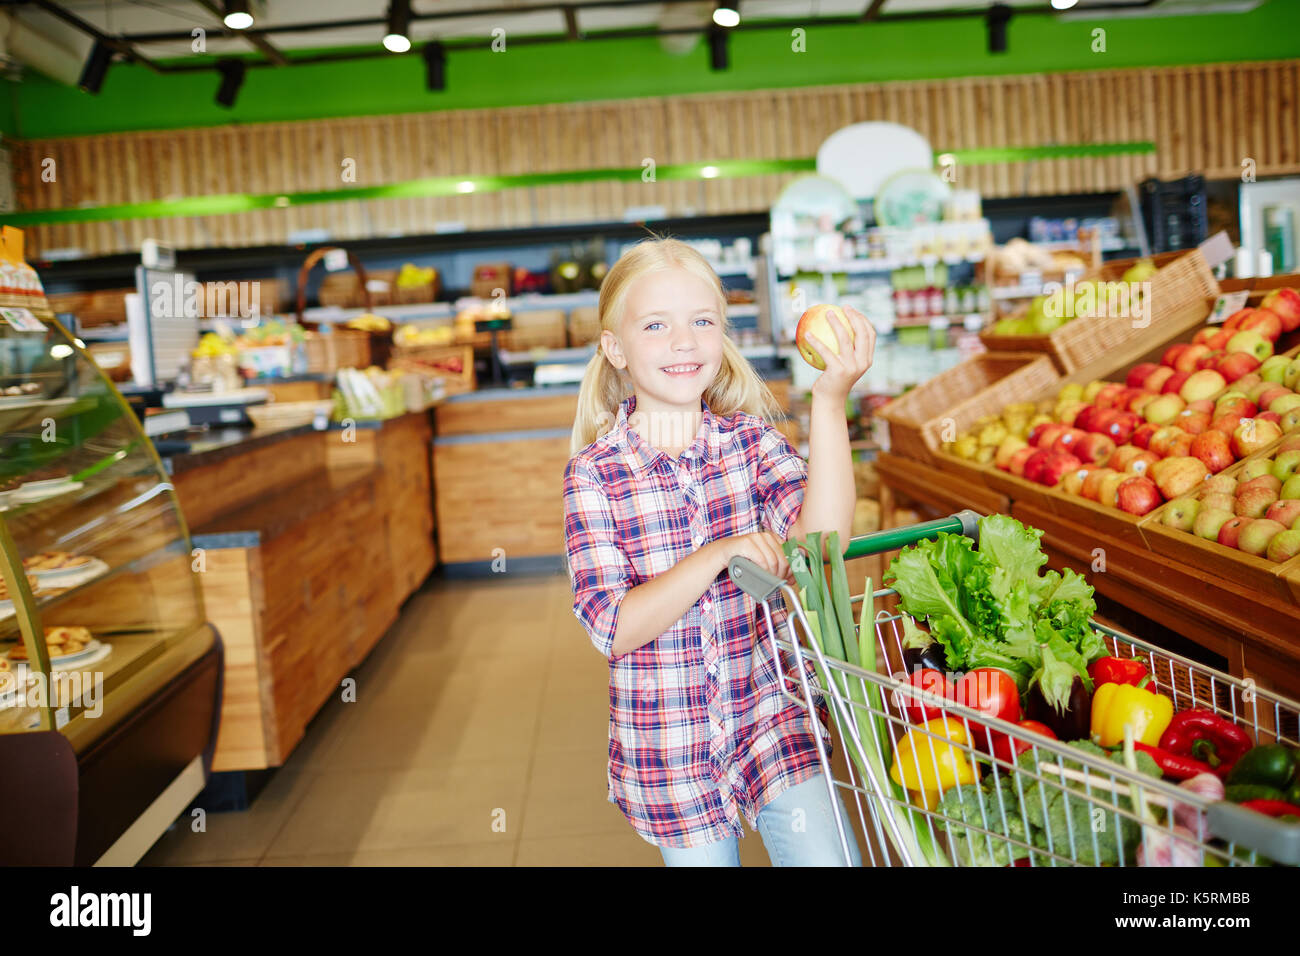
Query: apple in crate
[
  {"x": 1285, "y": 304},
  {"x": 1109, "y": 396},
  {"x": 1256, "y": 392},
  {"x": 1010, "y": 445},
  {"x": 1180, "y": 513},
  {"x": 1164, "y": 409},
  {"x": 1246, "y": 382},
  {"x": 816, "y": 322},
  {"x": 1256, "y": 535},
  {"x": 1172, "y": 354},
  {"x": 1213, "y": 451},
  {"x": 1221, "y": 484},
  {"x": 1119, "y": 425},
  {"x": 1217, "y": 499},
  {"x": 1255, "y": 502},
  {"x": 1064, "y": 443},
  {"x": 1288, "y": 443},
  {"x": 1210, "y": 360},
  {"x": 1285, "y": 463},
  {"x": 1141, "y": 436},
  {"x": 1273, "y": 417},
  {"x": 1141, "y": 401},
  {"x": 1237, "y": 405},
  {"x": 1271, "y": 394},
  {"x": 1181, "y": 446},
  {"x": 1068, "y": 412},
  {"x": 1205, "y": 383},
  {"x": 1274, "y": 369},
  {"x": 1045, "y": 430},
  {"x": 1155, "y": 382},
  {"x": 1291, "y": 488},
  {"x": 1017, "y": 463},
  {"x": 1192, "y": 421},
  {"x": 1141, "y": 464},
  {"x": 1138, "y": 375},
  {"x": 1209, "y": 521},
  {"x": 1094, "y": 449},
  {"x": 1283, "y": 546},
  {"x": 1233, "y": 322},
  {"x": 1253, "y": 469},
  {"x": 1163, "y": 440},
  {"x": 1138, "y": 495},
  {"x": 1253, "y": 434},
  {"x": 1057, "y": 466},
  {"x": 1174, "y": 383},
  {"x": 1231, "y": 530},
  {"x": 1187, "y": 359},
  {"x": 1227, "y": 423},
  {"x": 1265, "y": 322},
  {"x": 1072, "y": 484},
  {"x": 1235, "y": 366},
  {"x": 1283, "y": 404},
  {"x": 1108, "y": 494},
  {"x": 1177, "y": 476},
  {"x": 1219, "y": 340},
  {"x": 1034, "y": 464},
  {"x": 1284, "y": 512},
  {"x": 1203, "y": 336},
  {"x": 1091, "y": 487},
  {"x": 1251, "y": 342},
  {"x": 1125, "y": 455},
  {"x": 1268, "y": 481}
]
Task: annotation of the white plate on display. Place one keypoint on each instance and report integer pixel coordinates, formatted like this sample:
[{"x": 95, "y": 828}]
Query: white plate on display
[
  {"x": 92, "y": 653},
  {"x": 911, "y": 197},
  {"x": 70, "y": 577},
  {"x": 40, "y": 490}
]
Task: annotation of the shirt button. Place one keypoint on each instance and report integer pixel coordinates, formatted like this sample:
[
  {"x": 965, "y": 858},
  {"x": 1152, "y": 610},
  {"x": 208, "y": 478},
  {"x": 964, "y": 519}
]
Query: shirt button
[
  {"x": 706, "y": 605},
  {"x": 713, "y": 668},
  {"x": 699, "y": 541}
]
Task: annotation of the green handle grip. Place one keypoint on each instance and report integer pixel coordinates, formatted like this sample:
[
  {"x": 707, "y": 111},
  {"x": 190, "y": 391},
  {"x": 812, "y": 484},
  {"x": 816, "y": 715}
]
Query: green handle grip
[{"x": 878, "y": 542}]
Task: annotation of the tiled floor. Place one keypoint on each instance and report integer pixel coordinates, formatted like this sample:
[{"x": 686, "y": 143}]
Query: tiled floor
[{"x": 477, "y": 737}]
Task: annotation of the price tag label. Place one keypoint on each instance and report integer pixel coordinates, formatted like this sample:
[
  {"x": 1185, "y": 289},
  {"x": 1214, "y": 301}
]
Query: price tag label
[
  {"x": 335, "y": 260},
  {"x": 22, "y": 320},
  {"x": 1226, "y": 305}
]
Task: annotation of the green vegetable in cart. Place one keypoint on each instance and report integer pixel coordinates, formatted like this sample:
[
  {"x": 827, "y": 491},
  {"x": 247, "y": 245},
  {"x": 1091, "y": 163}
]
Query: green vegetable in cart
[
  {"x": 1269, "y": 765},
  {"x": 993, "y": 821}
]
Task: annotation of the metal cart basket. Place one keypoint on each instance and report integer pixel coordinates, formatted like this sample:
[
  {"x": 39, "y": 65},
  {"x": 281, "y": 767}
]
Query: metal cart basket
[{"x": 1020, "y": 798}]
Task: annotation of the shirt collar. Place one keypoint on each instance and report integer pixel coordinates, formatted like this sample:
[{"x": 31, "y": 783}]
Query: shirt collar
[{"x": 706, "y": 446}]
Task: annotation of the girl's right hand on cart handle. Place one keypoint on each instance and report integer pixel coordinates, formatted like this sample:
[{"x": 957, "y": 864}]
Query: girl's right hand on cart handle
[{"x": 761, "y": 547}]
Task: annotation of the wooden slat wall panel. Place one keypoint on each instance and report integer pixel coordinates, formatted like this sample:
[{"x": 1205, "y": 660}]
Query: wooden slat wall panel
[{"x": 1202, "y": 118}]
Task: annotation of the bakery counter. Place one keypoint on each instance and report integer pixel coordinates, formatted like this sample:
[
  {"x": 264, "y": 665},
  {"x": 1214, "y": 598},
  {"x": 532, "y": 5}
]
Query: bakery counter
[
  {"x": 498, "y": 465},
  {"x": 308, "y": 542}
]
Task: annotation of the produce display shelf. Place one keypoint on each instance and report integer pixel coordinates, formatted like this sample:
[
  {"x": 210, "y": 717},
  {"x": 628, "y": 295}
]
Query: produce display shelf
[{"x": 945, "y": 492}]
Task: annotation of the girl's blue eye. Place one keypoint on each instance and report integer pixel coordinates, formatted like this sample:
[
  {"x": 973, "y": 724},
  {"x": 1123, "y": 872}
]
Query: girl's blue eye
[
  {"x": 652, "y": 325},
  {"x": 705, "y": 321}
]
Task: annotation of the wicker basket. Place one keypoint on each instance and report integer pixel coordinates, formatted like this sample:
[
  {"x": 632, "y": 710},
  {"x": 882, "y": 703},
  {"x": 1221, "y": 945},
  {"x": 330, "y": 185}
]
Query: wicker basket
[
  {"x": 535, "y": 330},
  {"x": 1176, "y": 303},
  {"x": 288, "y": 414},
  {"x": 340, "y": 348},
  {"x": 982, "y": 385}
]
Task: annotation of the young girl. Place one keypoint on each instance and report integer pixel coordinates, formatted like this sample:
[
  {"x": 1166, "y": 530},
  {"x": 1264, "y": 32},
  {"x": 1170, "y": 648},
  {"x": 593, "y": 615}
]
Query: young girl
[{"x": 674, "y": 473}]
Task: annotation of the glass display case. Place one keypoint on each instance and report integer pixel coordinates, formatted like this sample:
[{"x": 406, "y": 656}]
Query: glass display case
[{"x": 101, "y": 605}]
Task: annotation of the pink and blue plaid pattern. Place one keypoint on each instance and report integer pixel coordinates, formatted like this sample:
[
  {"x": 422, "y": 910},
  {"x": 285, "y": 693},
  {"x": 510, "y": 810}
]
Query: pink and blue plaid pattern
[{"x": 698, "y": 730}]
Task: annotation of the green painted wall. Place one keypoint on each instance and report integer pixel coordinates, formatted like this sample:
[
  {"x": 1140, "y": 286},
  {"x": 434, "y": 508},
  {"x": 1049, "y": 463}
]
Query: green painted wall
[{"x": 134, "y": 98}]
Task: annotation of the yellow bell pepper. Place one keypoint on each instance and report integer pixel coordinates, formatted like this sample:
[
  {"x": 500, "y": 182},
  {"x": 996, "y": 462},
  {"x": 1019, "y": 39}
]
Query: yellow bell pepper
[
  {"x": 927, "y": 764},
  {"x": 1114, "y": 705}
]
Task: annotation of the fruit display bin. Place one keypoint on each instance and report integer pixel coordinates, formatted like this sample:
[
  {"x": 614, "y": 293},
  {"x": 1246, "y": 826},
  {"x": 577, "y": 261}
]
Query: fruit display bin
[
  {"x": 327, "y": 352},
  {"x": 1176, "y": 303},
  {"x": 954, "y": 399},
  {"x": 1257, "y": 573}
]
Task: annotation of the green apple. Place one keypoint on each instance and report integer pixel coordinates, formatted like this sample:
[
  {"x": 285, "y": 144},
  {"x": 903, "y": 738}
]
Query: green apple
[
  {"x": 1285, "y": 465},
  {"x": 1284, "y": 403},
  {"x": 1290, "y": 488},
  {"x": 1180, "y": 514},
  {"x": 1208, "y": 521},
  {"x": 1291, "y": 377},
  {"x": 1274, "y": 368}
]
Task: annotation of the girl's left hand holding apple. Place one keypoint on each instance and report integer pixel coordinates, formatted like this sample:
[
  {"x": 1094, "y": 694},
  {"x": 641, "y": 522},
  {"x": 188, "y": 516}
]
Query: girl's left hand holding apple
[{"x": 853, "y": 359}]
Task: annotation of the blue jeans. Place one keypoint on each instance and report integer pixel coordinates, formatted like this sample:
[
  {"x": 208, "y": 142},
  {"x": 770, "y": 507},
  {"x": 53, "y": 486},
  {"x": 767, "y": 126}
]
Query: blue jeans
[{"x": 814, "y": 842}]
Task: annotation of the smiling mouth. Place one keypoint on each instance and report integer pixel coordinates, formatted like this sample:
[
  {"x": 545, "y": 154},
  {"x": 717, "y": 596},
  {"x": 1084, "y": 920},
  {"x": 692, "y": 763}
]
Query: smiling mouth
[{"x": 688, "y": 369}]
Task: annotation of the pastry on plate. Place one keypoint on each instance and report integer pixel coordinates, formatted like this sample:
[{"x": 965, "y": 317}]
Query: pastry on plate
[
  {"x": 4, "y": 587},
  {"x": 55, "y": 561},
  {"x": 59, "y": 641}
]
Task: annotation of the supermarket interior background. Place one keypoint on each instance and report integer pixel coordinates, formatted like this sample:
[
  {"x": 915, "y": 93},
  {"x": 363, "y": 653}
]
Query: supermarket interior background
[{"x": 297, "y": 297}]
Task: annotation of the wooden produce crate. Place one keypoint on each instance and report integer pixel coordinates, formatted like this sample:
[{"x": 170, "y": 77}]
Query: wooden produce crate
[
  {"x": 982, "y": 385},
  {"x": 1257, "y": 573},
  {"x": 1017, "y": 488},
  {"x": 339, "y": 348},
  {"x": 584, "y": 326},
  {"x": 543, "y": 329},
  {"x": 1175, "y": 303},
  {"x": 433, "y": 360}
]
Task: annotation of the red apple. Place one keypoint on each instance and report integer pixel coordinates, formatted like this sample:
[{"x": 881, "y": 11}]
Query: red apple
[
  {"x": 1202, "y": 405},
  {"x": 1043, "y": 434},
  {"x": 1092, "y": 482},
  {"x": 1181, "y": 446},
  {"x": 1142, "y": 463},
  {"x": 1035, "y": 464},
  {"x": 816, "y": 322},
  {"x": 1094, "y": 449},
  {"x": 1242, "y": 407},
  {"x": 1192, "y": 422},
  {"x": 1219, "y": 340},
  {"x": 1233, "y": 322},
  {"x": 1138, "y": 495},
  {"x": 1265, "y": 323},
  {"x": 1227, "y": 423},
  {"x": 1017, "y": 464},
  {"x": 1141, "y": 436},
  {"x": 1235, "y": 366},
  {"x": 1209, "y": 360},
  {"x": 1064, "y": 443},
  {"x": 1137, "y": 376},
  {"x": 1174, "y": 383},
  {"x": 1141, "y": 401},
  {"x": 1202, "y": 336},
  {"x": 1213, "y": 450},
  {"x": 1163, "y": 440},
  {"x": 1056, "y": 467},
  {"x": 1125, "y": 455},
  {"x": 1109, "y": 395},
  {"x": 1269, "y": 416},
  {"x": 1087, "y": 418},
  {"x": 1186, "y": 361},
  {"x": 1285, "y": 512},
  {"x": 1155, "y": 382},
  {"x": 1231, "y": 530},
  {"x": 1285, "y": 304},
  {"x": 1271, "y": 395},
  {"x": 1172, "y": 354},
  {"x": 1072, "y": 483}
]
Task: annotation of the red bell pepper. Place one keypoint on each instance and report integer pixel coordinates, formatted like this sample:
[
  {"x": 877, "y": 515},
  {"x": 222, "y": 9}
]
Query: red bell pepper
[
  {"x": 1117, "y": 670},
  {"x": 1172, "y": 765},
  {"x": 1204, "y": 735},
  {"x": 1272, "y": 808}
]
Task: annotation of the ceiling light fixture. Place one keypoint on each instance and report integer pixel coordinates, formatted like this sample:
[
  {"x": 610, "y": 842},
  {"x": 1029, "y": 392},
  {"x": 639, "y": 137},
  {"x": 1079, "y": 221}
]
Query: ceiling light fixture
[
  {"x": 718, "y": 48},
  {"x": 396, "y": 39},
  {"x": 998, "y": 16},
  {"x": 96, "y": 68},
  {"x": 709, "y": 172},
  {"x": 726, "y": 16},
  {"x": 237, "y": 16},
  {"x": 232, "y": 78},
  {"x": 465, "y": 186},
  {"x": 1063, "y": 4},
  {"x": 435, "y": 66}
]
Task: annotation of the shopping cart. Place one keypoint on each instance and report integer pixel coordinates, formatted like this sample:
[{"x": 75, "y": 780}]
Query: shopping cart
[{"x": 1048, "y": 804}]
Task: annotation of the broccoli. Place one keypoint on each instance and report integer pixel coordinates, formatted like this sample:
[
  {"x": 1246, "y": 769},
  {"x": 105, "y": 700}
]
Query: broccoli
[{"x": 993, "y": 816}]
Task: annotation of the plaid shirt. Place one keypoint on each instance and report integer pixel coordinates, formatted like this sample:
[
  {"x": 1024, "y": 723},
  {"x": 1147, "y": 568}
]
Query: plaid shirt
[{"x": 698, "y": 730}]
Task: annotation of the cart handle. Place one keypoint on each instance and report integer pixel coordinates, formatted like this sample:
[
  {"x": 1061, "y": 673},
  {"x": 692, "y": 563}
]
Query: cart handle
[
  {"x": 1274, "y": 839},
  {"x": 760, "y": 585}
]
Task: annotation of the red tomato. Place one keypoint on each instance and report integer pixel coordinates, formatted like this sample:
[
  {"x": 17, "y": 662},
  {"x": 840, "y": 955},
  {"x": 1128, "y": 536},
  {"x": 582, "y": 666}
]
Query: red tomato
[
  {"x": 992, "y": 692},
  {"x": 1009, "y": 748},
  {"x": 935, "y": 684}
]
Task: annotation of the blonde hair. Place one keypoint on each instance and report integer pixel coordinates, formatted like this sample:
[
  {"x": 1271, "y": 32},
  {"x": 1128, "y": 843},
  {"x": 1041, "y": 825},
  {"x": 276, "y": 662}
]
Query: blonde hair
[{"x": 737, "y": 387}]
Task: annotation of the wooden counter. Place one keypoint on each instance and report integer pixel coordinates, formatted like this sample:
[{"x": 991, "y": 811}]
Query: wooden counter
[
  {"x": 498, "y": 465},
  {"x": 308, "y": 545}
]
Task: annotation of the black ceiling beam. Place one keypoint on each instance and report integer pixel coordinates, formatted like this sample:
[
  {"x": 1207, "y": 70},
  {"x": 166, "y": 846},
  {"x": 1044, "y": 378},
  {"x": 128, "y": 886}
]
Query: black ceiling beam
[
  {"x": 264, "y": 46},
  {"x": 121, "y": 45},
  {"x": 571, "y": 23}
]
